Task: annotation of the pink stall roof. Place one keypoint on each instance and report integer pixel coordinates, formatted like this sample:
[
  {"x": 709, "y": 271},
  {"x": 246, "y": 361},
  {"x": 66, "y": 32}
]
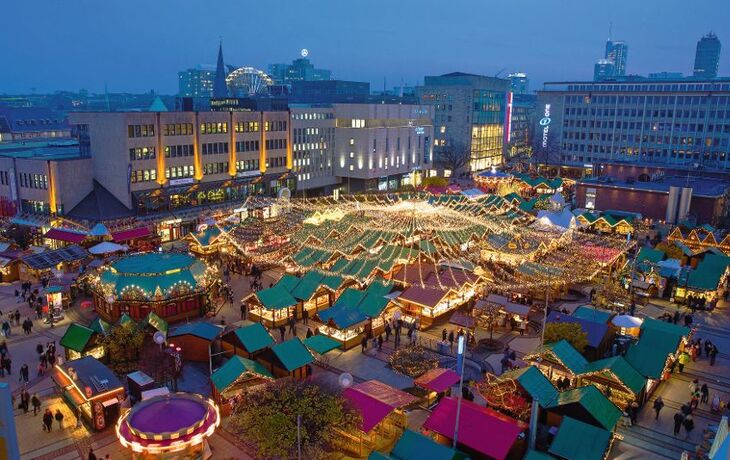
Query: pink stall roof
[
  {"x": 372, "y": 410},
  {"x": 481, "y": 429},
  {"x": 437, "y": 380}
]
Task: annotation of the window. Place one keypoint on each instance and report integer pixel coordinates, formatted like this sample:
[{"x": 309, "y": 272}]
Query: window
[
  {"x": 213, "y": 128},
  {"x": 140, "y": 130},
  {"x": 141, "y": 153},
  {"x": 357, "y": 123},
  {"x": 591, "y": 198},
  {"x": 177, "y": 129}
]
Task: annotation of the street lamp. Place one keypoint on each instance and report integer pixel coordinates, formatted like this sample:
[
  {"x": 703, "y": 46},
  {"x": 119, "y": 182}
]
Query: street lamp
[{"x": 460, "y": 369}]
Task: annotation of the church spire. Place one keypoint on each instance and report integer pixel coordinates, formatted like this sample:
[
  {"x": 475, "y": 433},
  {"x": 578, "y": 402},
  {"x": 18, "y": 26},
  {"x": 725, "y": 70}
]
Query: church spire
[{"x": 219, "y": 85}]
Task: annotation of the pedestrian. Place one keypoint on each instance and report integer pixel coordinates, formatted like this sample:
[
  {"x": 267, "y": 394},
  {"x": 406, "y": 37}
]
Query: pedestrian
[
  {"x": 683, "y": 359},
  {"x": 658, "y": 405},
  {"x": 243, "y": 310},
  {"x": 364, "y": 343},
  {"x": 282, "y": 331},
  {"x": 444, "y": 334},
  {"x": 309, "y": 332},
  {"x": 92, "y": 455},
  {"x": 292, "y": 326},
  {"x": 48, "y": 420},
  {"x": 713, "y": 355},
  {"x": 388, "y": 330},
  {"x": 678, "y": 420},
  {"x": 695, "y": 401},
  {"x": 689, "y": 425},
  {"x": 686, "y": 409},
  {"x": 305, "y": 316},
  {"x": 17, "y": 317},
  {"x": 25, "y": 400},
  {"x": 708, "y": 347},
  {"x": 688, "y": 319},
  {"x": 451, "y": 340},
  {"x": 380, "y": 342},
  {"x": 633, "y": 412},
  {"x": 36, "y": 404},
  {"x": 59, "y": 419},
  {"x": 23, "y": 373},
  {"x": 705, "y": 394}
]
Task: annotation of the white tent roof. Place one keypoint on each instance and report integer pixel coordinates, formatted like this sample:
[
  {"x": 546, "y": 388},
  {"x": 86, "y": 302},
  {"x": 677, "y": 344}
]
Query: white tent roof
[
  {"x": 99, "y": 230},
  {"x": 107, "y": 247},
  {"x": 473, "y": 193},
  {"x": 626, "y": 321},
  {"x": 562, "y": 220}
]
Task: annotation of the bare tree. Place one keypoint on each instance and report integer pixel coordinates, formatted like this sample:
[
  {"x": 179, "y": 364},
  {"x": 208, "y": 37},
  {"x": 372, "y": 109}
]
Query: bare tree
[{"x": 455, "y": 157}]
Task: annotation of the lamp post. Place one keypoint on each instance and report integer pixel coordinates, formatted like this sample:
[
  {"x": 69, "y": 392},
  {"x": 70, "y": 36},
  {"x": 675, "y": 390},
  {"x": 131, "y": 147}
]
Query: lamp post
[{"x": 460, "y": 369}]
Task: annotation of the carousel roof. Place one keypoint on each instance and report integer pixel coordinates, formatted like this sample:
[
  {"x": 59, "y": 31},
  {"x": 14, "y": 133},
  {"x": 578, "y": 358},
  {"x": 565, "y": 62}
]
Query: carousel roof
[{"x": 155, "y": 274}]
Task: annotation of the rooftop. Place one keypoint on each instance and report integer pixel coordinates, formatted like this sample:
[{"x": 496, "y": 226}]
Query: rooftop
[
  {"x": 701, "y": 185},
  {"x": 60, "y": 149}
]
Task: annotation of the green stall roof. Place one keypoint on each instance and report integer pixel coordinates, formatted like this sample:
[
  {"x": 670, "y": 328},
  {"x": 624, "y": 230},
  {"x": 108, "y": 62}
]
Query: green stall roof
[
  {"x": 155, "y": 321},
  {"x": 624, "y": 372},
  {"x": 580, "y": 441},
  {"x": 254, "y": 337},
  {"x": 566, "y": 354},
  {"x": 535, "y": 383},
  {"x": 307, "y": 285},
  {"x": 321, "y": 344},
  {"x": 650, "y": 254},
  {"x": 590, "y": 313},
  {"x": 233, "y": 369},
  {"x": 415, "y": 446},
  {"x": 100, "y": 326},
  {"x": 594, "y": 402},
  {"x": 649, "y": 355},
  {"x": 275, "y": 298},
  {"x": 288, "y": 282},
  {"x": 292, "y": 354},
  {"x": 76, "y": 337},
  {"x": 537, "y": 455}
]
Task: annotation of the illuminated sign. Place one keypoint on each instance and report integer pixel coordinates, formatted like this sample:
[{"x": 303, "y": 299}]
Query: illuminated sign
[
  {"x": 185, "y": 181},
  {"x": 545, "y": 123},
  {"x": 420, "y": 130},
  {"x": 508, "y": 134},
  {"x": 248, "y": 173}
]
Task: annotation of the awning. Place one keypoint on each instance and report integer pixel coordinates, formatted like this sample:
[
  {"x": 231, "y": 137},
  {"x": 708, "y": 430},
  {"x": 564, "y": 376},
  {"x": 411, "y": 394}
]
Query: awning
[
  {"x": 65, "y": 235},
  {"x": 474, "y": 423},
  {"x": 438, "y": 380},
  {"x": 130, "y": 234}
]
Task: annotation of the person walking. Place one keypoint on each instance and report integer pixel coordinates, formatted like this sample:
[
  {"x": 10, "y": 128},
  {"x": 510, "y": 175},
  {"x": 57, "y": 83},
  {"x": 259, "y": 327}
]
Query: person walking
[
  {"x": 36, "y": 404},
  {"x": 388, "y": 330},
  {"x": 658, "y": 405},
  {"x": 678, "y": 420},
  {"x": 682, "y": 360},
  {"x": 23, "y": 373},
  {"x": 444, "y": 334},
  {"x": 48, "y": 420},
  {"x": 305, "y": 316},
  {"x": 380, "y": 343},
  {"x": 17, "y": 317},
  {"x": 92, "y": 455},
  {"x": 364, "y": 343},
  {"x": 713, "y": 354},
  {"x": 689, "y": 425},
  {"x": 451, "y": 340},
  {"x": 59, "y": 418},
  {"x": 243, "y": 310},
  {"x": 282, "y": 332},
  {"x": 25, "y": 400},
  {"x": 292, "y": 326},
  {"x": 704, "y": 394}
]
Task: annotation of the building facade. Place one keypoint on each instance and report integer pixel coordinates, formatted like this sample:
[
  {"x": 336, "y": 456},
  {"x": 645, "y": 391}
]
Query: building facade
[
  {"x": 603, "y": 70},
  {"x": 26, "y": 123},
  {"x": 196, "y": 82},
  {"x": 519, "y": 83},
  {"x": 684, "y": 123},
  {"x": 329, "y": 92},
  {"x": 313, "y": 138},
  {"x": 521, "y": 126},
  {"x": 470, "y": 113},
  {"x": 707, "y": 56},
  {"x": 617, "y": 52},
  {"x": 299, "y": 70}
]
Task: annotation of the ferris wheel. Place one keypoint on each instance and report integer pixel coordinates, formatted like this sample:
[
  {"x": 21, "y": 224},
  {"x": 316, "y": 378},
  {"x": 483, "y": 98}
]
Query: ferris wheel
[{"x": 247, "y": 81}]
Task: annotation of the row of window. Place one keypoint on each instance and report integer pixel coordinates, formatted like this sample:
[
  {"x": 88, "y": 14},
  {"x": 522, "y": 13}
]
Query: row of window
[
  {"x": 37, "y": 181},
  {"x": 141, "y": 153},
  {"x": 213, "y": 128},
  {"x": 641, "y": 100},
  {"x": 247, "y": 126},
  {"x": 4, "y": 179},
  {"x": 247, "y": 146},
  {"x": 274, "y": 144},
  {"x": 214, "y": 148},
  {"x": 178, "y": 129},
  {"x": 276, "y": 162},
  {"x": 247, "y": 165},
  {"x": 177, "y": 172},
  {"x": 694, "y": 114},
  {"x": 140, "y": 130},
  {"x": 215, "y": 168},
  {"x": 313, "y": 116},
  {"x": 650, "y": 87},
  {"x": 175, "y": 151},
  {"x": 275, "y": 125},
  {"x": 144, "y": 175}
]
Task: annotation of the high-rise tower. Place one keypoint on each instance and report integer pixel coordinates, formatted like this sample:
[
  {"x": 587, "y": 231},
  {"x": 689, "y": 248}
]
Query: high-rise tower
[{"x": 707, "y": 56}]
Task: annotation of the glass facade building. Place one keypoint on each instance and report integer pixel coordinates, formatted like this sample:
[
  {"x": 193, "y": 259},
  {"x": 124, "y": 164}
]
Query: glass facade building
[
  {"x": 707, "y": 56},
  {"x": 487, "y": 130}
]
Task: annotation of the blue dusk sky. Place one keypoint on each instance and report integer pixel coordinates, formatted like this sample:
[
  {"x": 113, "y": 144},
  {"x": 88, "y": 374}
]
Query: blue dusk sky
[{"x": 138, "y": 45}]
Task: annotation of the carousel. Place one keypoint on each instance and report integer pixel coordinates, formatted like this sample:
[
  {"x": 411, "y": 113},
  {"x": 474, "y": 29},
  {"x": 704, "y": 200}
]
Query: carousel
[
  {"x": 174, "y": 425},
  {"x": 174, "y": 286}
]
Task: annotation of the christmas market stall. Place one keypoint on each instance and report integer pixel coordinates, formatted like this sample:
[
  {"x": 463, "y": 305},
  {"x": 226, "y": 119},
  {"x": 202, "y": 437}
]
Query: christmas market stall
[
  {"x": 514, "y": 392},
  {"x": 175, "y": 425},
  {"x": 426, "y": 303},
  {"x": 209, "y": 239},
  {"x": 288, "y": 359},
  {"x": 79, "y": 341},
  {"x": 558, "y": 360},
  {"x": 659, "y": 346},
  {"x": 174, "y": 286},
  {"x": 271, "y": 306},
  {"x": 578, "y": 440},
  {"x": 414, "y": 446},
  {"x": 600, "y": 335},
  {"x": 198, "y": 341},
  {"x": 247, "y": 341},
  {"x": 316, "y": 291},
  {"x": 91, "y": 389},
  {"x": 511, "y": 315},
  {"x": 617, "y": 379},
  {"x": 64, "y": 260},
  {"x": 436, "y": 383},
  {"x": 234, "y": 379},
  {"x": 586, "y": 404},
  {"x": 138, "y": 238},
  {"x": 474, "y": 421},
  {"x": 383, "y": 417}
]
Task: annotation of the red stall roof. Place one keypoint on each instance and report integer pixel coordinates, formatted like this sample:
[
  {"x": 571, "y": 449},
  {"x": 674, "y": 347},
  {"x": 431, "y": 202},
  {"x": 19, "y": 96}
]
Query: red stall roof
[
  {"x": 481, "y": 429},
  {"x": 65, "y": 235},
  {"x": 372, "y": 410},
  {"x": 130, "y": 234},
  {"x": 437, "y": 380}
]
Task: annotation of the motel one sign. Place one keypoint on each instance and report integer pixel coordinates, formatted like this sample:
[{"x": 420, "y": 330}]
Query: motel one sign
[{"x": 545, "y": 123}]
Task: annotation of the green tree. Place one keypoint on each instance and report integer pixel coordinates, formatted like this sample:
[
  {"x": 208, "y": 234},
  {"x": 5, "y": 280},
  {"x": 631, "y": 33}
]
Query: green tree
[
  {"x": 572, "y": 332},
  {"x": 268, "y": 419},
  {"x": 122, "y": 345}
]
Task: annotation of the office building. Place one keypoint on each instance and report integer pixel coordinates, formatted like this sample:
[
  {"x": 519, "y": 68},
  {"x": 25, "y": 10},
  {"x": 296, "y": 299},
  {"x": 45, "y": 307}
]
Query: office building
[
  {"x": 684, "y": 123},
  {"x": 42, "y": 176},
  {"x": 469, "y": 116},
  {"x": 329, "y": 92},
  {"x": 603, "y": 70},
  {"x": 707, "y": 56},
  {"x": 617, "y": 52},
  {"x": 196, "y": 82},
  {"x": 519, "y": 83},
  {"x": 313, "y": 146},
  {"x": 381, "y": 147},
  {"x": 666, "y": 76},
  {"x": 521, "y": 126},
  {"x": 299, "y": 70}
]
